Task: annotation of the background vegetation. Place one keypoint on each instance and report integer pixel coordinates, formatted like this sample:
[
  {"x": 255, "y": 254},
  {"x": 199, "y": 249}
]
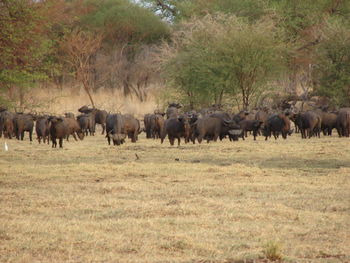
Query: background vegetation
[{"x": 199, "y": 52}]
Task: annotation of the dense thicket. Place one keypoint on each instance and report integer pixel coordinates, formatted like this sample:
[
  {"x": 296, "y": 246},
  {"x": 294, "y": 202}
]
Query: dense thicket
[
  {"x": 315, "y": 35},
  {"x": 233, "y": 51}
]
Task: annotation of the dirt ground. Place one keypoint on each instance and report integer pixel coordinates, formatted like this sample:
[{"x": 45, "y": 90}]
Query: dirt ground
[{"x": 246, "y": 201}]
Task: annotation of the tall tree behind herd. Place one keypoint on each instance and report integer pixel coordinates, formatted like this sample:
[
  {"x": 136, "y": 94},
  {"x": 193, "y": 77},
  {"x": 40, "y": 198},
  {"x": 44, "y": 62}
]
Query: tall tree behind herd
[{"x": 205, "y": 51}]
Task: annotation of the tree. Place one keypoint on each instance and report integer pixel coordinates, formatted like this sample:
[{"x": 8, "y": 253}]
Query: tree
[
  {"x": 332, "y": 71},
  {"x": 23, "y": 45},
  {"x": 221, "y": 54},
  {"x": 79, "y": 47}
]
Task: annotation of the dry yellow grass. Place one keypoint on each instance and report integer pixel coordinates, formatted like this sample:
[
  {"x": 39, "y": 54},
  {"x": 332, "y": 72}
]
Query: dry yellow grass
[
  {"x": 220, "y": 202},
  {"x": 55, "y": 100}
]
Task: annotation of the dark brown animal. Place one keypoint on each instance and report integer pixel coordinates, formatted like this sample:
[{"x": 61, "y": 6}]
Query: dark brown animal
[
  {"x": 277, "y": 124},
  {"x": 86, "y": 123},
  {"x": 131, "y": 127},
  {"x": 63, "y": 127},
  {"x": 328, "y": 121},
  {"x": 309, "y": 124},
  {"x": 212, "y": 128},
  {"x": 69, "y": 115},
  {"x": 173, "y": 110},
  {"x": 23, "y": 123},
  {"x": 159, "y": 126},
  {"x": 6, "y": 124},
  {"x": 42, "y": 128},
  {"x": 175, "y": 128},
  {"x": 115, "y": 129},
  {"x": 343, "y": 122},
  {"x": 99, "y": 116},
  {"x": 250, "y": 125}
]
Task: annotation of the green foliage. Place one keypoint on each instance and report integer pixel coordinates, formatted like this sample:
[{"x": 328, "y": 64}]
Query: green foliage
[
  {"x": 123, "y": 21},
  {"x": 220, "y": 55},
  {"x": 250, "y": 9},
  {"x": 24, "y": 45},
  {"x": 333, "y": 67}
]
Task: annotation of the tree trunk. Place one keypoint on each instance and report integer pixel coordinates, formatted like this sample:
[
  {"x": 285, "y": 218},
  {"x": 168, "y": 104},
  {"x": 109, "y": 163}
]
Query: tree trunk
[{"x": 86, "y": 87}]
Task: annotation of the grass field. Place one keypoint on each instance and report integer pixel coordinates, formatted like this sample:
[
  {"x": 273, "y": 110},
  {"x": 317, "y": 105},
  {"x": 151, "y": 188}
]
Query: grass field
[{"x": 219, "y": 202}]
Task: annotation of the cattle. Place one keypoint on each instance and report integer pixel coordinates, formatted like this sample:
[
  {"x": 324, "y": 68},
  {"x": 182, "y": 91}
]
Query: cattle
[
  {"x": 42, "y": 129},
  {"x": 212, "y": 128},
  {"x": 99, "y": 116},
  {"x": 63, "y": 127},
  {"x": 23, "y": 123},
  {"x": 277, "y": 124},
  {"x": 131, "y": 127},
  {"x": 86, "y": 122},
  {"x": 175, "y": 128},
  {"x": 6, "y": 123},
  {"x": 328, "y": 121},
  {"x": 309, "y": 124},
  {"x": 159, "y": 126},
  {"x": 173, "y": 110},
  {"x": 69, "y": 115},
  {"x": 242, "y": 115},
  {"x": 250, "y": 125},
  {"x": 115, "y": 129},
  {"x": 149, "y": 125},
  {"x": 262, "y": 115},
  {"x": 343, "y": 122}
]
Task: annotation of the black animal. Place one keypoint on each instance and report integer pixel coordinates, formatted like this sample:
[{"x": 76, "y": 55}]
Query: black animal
[
  {"x": 328, "y": 121},
  {"x": 99, "y": 116},
  {"x": 213, "y": 127},
  {"x": 277, "y": 124},
  {"x": 131, "y": 127},
  {"x": 115, "y": 129},
  {"x": 251, "y": 126},
  {"x": 69, "y": 115},
  {"x": 86, "y": 123},
  {"x": 6, "y": 123},
  {"x": 42, "y": 128},
  {"x": 173, "y": 110},
  {"x": 309, "y": 124},
  {"x": 23, "y": 123},
  {"x": 343, "y": 122},
  {"x": 63, "y": 127},
  {"x": 175, "y": 128},
  {"x": 149, "y": 125}
]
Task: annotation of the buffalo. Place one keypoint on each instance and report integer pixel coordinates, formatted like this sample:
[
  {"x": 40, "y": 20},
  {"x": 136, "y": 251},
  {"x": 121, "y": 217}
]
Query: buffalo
[
  {"x": 23, "y": 123},
  {"x": 86, "y": 122},
  {"x": 6, "y": 123},
  {"x": 277, "y": 124},
  {"x": 42, "y": 128},
  {"x": 63, "y": 127},
  {"x": 173, "y": 110},
  {"x": 328, "y": 121},
  {"x": 131, "y": 127},
  {"x": 309, "y": 123},
  {"x": 343, "y": 122},
  {"x": 99, "y": 116},
  {"x": 115, "y": 129},
  {"x": 175, "y": 128},
  {"x": 213, "y": 127},
  {"x": 251, "y": 126}
]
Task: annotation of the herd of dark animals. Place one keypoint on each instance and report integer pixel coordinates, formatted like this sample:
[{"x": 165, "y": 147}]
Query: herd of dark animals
[{"x": 207, "y": 124}]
